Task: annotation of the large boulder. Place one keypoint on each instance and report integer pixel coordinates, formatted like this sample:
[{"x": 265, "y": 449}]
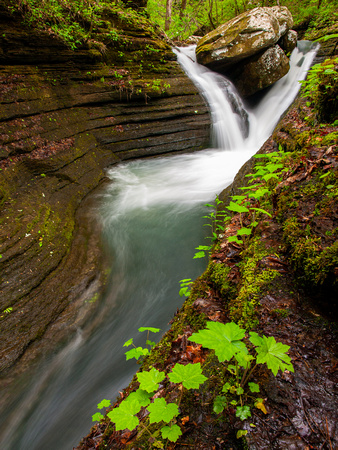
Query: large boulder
[
  {"x": 261, "y": 71},
  {"x": 243, "y": 36},
  {"x": 240, "y": 47}
]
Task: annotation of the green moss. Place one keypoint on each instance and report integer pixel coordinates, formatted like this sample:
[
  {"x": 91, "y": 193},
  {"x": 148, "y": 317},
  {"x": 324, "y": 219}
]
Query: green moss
[
  {"x": 255, "y": 281},
  {"x": 217, "y": 273},
  {"x": 312, "y": 263}
]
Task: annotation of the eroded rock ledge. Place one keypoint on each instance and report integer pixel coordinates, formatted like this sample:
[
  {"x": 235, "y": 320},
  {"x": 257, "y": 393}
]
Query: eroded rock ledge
[{"x": 65, "y": 117}]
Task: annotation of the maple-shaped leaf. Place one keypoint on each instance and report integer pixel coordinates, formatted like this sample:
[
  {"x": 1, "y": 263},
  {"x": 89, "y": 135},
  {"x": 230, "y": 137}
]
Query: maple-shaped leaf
[
  {"x": 224, "y": 339},
  {"x": 255, "y": 339},
  {"x": 97, "y": 417},
  {"x": 226, "y": 387},
  {"x": 244, "y": 231},
  {"x": 136, "y": 353},
  {"x": 149, "y": 380},
  {"x": 243, "y": 412},
  {"x": 235, "y": 239},
  {"x": 141, "y": 396},
  {"x": 103, "y": 404},
  {"x": 254, "y": 387},
  {"x": 127, "y": 343},
  {"x": 172, "y": 433},
  {"x": 274, "y": 355},
  {"x": 190, "y": 375},
  {"x": 199, "y": 255},
  {"x": 153, "y": 330},
  {"x": 237, "y": 208},
  {"x": 124, "y": 415},
  {"x": 161, "y": 410}
]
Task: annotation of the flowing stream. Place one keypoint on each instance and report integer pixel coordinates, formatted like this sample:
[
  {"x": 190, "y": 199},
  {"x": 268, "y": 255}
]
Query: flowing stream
[{"x": 152, "y": 215}]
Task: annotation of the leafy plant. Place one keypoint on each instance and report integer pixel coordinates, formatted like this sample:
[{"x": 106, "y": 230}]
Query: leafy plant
[
  {"x": 138, "y": 352},
  {"x": 185, "y": 287},
  {"x": 321, "y": 87},
  {"x": 230, "y": 344}
]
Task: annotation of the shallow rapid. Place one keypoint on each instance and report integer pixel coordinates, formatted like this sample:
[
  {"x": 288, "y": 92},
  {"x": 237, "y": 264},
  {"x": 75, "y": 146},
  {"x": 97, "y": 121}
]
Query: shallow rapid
[{"x": 152, "y": 221}]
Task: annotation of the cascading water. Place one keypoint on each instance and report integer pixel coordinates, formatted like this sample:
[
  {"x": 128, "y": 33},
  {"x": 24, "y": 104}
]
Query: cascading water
[{"x": 152, "y": 223}]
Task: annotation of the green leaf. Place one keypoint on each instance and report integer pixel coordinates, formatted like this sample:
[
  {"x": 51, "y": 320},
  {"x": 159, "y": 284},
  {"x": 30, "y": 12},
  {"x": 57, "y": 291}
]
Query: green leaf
[
  {"x": 190, "y": 375},
  {"x": 239, "y": 391},
  {"x": 255, "y": 339},
  {"x": 127, "y": 343},
  {"x": 124, "y": 415},
  {"x": 220, "y": 404},
  {"x": 238, "y": 198},
  {"x": 243, "y": 412},
  {"x": 241, "y": 433},
  {"x": 268, "y": 176},
  {"x": 151, "y": 343},
  {"x": 184, "y": 292},
  {"x": 244, "y": 231},
  {"x": 250, "y": 187},
  {"x": 262, "y": 211},
  {"x": 243, "y": 359},
  {"x": 136, "y": 353},
  {"x": 97, "y": 417},
  {"x": 153, "y": 330},
  {"x": 232, "y": 369},
  {"x": 199, "y": 255},
  {"x": 226, "y": 387},
  {"x": 273, "y": 167},
  {"x": 237, "y": 208},
  {"x": 259, "y": 193},
  {"x": 161, "y": 410},
  {"x": 103, "y": 404},
  {"x": 172, "y": 433},
  {"x": 141, "y": 396},
  {"x": 274, "y": 355},
  {"x": 224, "y": 339},
  {"x": 235, "y": 239},
  {"x": 149, "y": 380},
  {"x": 185, "y": 281},
  {"x": 203, "y": 247},
  {"x": 254, "y": 387}
]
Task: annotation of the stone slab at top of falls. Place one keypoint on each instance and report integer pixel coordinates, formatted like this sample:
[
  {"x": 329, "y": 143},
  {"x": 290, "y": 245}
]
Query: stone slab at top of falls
[{"x": 245, "y": 35}]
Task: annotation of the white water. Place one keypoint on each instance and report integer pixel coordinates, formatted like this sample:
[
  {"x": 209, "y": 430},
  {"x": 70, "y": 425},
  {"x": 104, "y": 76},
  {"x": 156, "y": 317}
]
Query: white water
[{"x": 152, "y": 223}]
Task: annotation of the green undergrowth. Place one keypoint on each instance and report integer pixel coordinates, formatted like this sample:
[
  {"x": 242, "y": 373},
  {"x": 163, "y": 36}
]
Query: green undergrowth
[{"x": 82, "y": 22}]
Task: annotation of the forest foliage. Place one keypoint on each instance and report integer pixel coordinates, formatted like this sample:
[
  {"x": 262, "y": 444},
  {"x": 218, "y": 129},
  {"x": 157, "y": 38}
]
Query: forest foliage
[{"x": 73, "y": 21}]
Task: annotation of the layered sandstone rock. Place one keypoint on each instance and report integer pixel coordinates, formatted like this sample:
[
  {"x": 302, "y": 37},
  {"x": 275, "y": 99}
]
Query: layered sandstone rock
[{"x": 65, "y": 116}]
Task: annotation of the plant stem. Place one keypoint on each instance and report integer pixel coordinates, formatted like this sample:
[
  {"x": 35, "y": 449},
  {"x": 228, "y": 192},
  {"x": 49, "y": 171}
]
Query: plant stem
[{"x": 247, "y": 378}]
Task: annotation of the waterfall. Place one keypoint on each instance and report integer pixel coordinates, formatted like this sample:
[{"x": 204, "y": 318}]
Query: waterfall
[{"x": 151, "y": 216}]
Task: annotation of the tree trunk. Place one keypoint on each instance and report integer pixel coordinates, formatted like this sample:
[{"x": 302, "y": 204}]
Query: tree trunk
[
  {"x": 168, "y": 15},
  {"x": 210, "y": 14}
]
